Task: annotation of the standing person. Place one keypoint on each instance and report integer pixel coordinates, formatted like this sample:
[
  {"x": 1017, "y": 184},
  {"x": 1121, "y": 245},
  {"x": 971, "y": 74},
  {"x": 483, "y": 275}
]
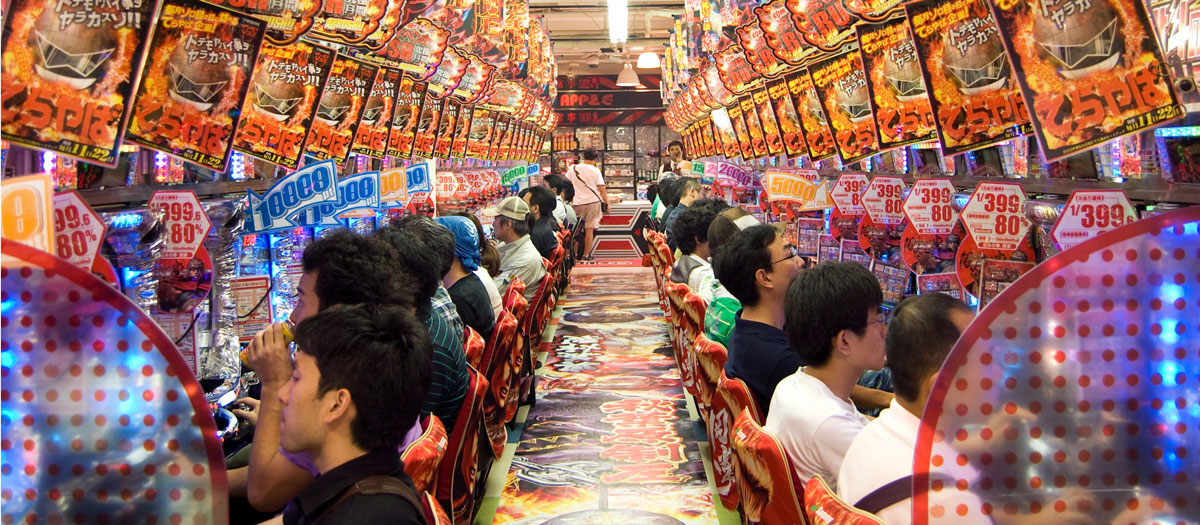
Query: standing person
[
  {"x": 468, "y": 292},
  {"x": 674, "y": 159},
  {"x": 591, "y": 201}
]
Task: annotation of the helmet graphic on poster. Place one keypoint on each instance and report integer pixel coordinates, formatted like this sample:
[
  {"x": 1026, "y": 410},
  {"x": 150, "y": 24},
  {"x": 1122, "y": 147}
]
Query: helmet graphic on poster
[
  {"x": 1079, "y": 41},
  {"x": 902, "y": 72},
  {"x": 274, "y": 97},
  {"x": 853, "y": 98},
  {"x": 977, "y": 62},
  {"x": 77, "y": 55},
  {"x": 193, "y": 81}
]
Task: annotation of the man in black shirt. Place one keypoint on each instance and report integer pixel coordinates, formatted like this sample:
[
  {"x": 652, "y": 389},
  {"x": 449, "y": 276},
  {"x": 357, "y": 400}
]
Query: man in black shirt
[
  {"x": 541, "y": 202},
  {"x": 360, "y": 377}
]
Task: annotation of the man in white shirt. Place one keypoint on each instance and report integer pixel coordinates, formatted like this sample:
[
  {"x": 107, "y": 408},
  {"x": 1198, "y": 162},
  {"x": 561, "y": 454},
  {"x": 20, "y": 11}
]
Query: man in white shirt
[
  {"x": 518, "y": 256},
  {"x": 835, "y": 322},
  {"x": 589, "y": 195},
  {"x": 922, "y": 331}
]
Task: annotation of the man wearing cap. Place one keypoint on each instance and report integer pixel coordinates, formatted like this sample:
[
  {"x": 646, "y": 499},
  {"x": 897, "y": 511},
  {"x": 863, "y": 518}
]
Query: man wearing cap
[{"x": 518, "y": 256}]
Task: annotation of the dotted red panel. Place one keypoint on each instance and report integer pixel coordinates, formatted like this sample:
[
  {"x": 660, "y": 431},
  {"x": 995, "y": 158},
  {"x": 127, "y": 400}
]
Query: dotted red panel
[
  {"x": 1074, "y": 396},
  {"x": 99, "y": 410}
]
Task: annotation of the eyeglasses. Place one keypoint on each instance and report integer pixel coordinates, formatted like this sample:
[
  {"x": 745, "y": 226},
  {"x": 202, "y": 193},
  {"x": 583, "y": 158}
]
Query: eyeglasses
[
  {"x": 881, "y": 318},
  {"x": 790, "y": 251}
]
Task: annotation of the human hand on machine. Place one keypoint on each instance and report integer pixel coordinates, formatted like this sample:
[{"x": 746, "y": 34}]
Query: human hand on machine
[
  {"x": 246, "y": 409},
  {"x": 268, "y": 355}
]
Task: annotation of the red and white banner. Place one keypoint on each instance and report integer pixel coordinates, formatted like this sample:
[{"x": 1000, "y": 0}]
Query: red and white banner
[
  {"x": 884, "y": 200},
  {"x": 847, "y": 193},
  {"x": 78, "y": 231},
  {"x": 995, "y": 216},
  {"x": 929, "y": 206},
  {"x": 1089, "y": 213}
]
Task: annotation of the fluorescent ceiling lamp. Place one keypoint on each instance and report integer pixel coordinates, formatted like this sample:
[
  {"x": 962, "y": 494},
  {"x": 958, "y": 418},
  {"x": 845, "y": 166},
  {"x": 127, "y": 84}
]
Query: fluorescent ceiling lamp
[
  {"x": 648, "y": 60},
  {"x": 618, "y": 21},
  {"x": 628, "y": 77}
]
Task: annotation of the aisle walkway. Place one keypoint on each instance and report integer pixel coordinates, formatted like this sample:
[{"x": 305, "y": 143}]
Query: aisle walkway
[{"x": 610, "y": 439}]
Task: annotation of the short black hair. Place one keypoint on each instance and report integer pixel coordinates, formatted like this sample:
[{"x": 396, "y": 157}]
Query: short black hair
[
  {"x": 541, "y": 197},
  {"x": 668, "y": 190},
  {"x": 691, "y": 228},
  {"x": 920, "y": 336},
  {"x": 415, "y": 256},
  {"x": 825, "y": 300},
  {"x": 383, "y": 356},
  {"x": 438, "y": 238},
  {"x": 555, "y": 182},
  {"x": 652, "y": 191},
  {"x": 675, "y": 143},
  {"x": 355, "y": 269},
  {"x": 737, "y": 262},
  {"x": 590, "y": 154},
  {"x": 568, "y": 192}
]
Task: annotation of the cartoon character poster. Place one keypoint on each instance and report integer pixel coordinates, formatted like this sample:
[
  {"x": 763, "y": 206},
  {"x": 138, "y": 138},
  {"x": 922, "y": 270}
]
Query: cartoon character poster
[
  {"x": 975, "y": 101},
  {"x": 479, "y": 138},
  {"x": 374, "y": 126},
  {"x": 339, "y": 110},
  {"x": 814, "y": 123},
  {"x": 841, "y": 87},
  {"x": 282, "y": 99},
  {"x": 899, "y": 100},
  {"x": 199, "y": 69},
  {"x": 410, "y": 98},
  {"x": 70, "y": 69},
  {"x": 1090, "y": 71}
]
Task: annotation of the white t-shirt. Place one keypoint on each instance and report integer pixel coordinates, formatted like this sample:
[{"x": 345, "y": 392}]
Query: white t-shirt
[
  {"x": 700, "y": 277},
  {"x": 814, "y": 426},
  {"x": 587, "y": 179},
  {"x": 492, "y": 291}
]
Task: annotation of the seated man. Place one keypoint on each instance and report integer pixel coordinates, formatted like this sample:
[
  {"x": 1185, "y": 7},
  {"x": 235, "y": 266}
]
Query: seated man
[
  {"x": 419, "y": 243},
  {"x": 563, "y": 212},
  {"x": 541, "y": 202},
  {"x": 692, "y": 232},
  {"x": 722, "y": 305},
  {"x": 835, "y": 323},
  {"x": 920, "y": 335},
  {"x": 360, "y": 376},
  {"x": 518, "y": 257},
  {"x": 689, "y": 191},
  {"x": 339, "y": 268},
  {"x": 757, "y": 265}
]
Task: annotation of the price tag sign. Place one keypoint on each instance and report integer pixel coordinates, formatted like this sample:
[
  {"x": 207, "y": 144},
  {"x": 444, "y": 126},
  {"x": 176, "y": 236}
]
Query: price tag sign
[
  {"x": 884, "y": 200},
  {"x": 78, "y": 231},
  {"x": 1089, "y": 213},
  {"x": 27, "y": 212},
  {"x": 393, "y": 188},
  {"x": 995, "y": 216},
  {"x": 929, "y": 206},
  {"x": 185, "y": 221},
  {"x": 794, "y": 187},
  {"x": 847, "y": 193},
  {"x": 253, "y": 305}
]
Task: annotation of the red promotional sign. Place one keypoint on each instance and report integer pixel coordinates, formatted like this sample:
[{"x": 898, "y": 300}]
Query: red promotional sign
[
  {"x": 842, "y": 88},
  {"x": 781, "y": 33},
  {"x": 1089, "y": 213},
  {"x": 995, "y": 216},
  {"x": 734, "y": 69},
  {"x": 760, "y": 55},
  {"x": 884, "y": 201},
  {"x": 929, "y": 207},
  {"x": 899, "y": 100},
  {"x": 372, "y": 135},
  {"x": 185, "y": 222},
  {"x": 340, "y": 109},
  {"x": 847, "y": 193},
  {"x": 78, "y": 231},
  {"x": 814, "y": 123}
]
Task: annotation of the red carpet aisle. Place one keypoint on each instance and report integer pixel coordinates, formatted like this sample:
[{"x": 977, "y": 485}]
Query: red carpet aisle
[{"x": 609, "y": 440}]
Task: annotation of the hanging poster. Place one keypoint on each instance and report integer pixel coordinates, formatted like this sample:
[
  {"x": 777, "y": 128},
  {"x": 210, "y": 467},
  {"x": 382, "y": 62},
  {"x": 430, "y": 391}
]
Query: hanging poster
[
  {"x": 339, "y": 110},
  {"x": 479, "y": 137},
  {"x": 278, "y": 111},
  {"x": 445, "y": 129},
  {"x": 710, "y": 77},
  {"x": 410, "y": 98},
  {"x": 729, "y": 139},
  {"x": 825, "y": 24},
  {"x": 287, "y": 20},
  {"x": 758, "y": 53},
  {"x": 1091, "y": 71},
  {"x": 899, "y": 100},
  {"x": 974, "y": 100},
  {"x": 743, "y": 135},
  {"x": 427, "y": 124},
  {"x": 70, "y": 69},
  {"x": 478, "y": 79},
  {"x": 766, "y": 116},
  {"x": 781, "y": 33},
  {"x": 389, "y": 26},
  {"x": 417, "y": 49},
  {"x": 372, "y": 136},
  {"x": 461, "y": 130},
  {"x": 194, "y": 82},
  {"x": 789, "y": 120},
  {"x": 448, "y": 74},
  {"x": 348, "y": 22},
  {"x": 734, "y": 70},
  {"x": 841, "y": 86},
  {"x": 754, "y": 126},
  {"x": 817, "y": 136}
]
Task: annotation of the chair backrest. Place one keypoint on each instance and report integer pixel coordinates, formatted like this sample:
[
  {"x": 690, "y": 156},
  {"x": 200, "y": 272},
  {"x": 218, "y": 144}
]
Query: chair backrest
[
  {"x": 737, "y": 395},
  {"x": 458, "y": 473},
  {"x": 664, "y": 253},
  {"x": 423, "y": 457},
  {"x": 694, "y": 306},
  {"x": 763, "y": 472},
  {"x": 710, "y": 357},
  {"x": 514, "y": 298},
  {"x": 473, "y": 346},
  {"x": 434, "y": 513},
  {"x": 823, "y": 507},
  {"x": 499, "y": 371},
  {"x": 538, "y": 312},
  {"x": 720, "y": 431}
]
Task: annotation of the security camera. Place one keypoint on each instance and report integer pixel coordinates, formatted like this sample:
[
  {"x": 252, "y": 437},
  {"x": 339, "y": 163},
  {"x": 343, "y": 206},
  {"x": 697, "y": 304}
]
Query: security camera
[
  {"x": 593, "y": 62},
  {"x": 1184, "y": 84}
]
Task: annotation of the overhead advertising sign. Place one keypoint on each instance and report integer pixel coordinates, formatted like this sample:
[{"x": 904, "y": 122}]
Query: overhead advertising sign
[
  {"x": 78, "y": 231},
  {"x": 929, "y": 206},
  {"x": 339, "y": 110},
  {"x": 817, "y": 135},
  {"x": 842, "y": 88},
  {"x": 312, "y": 185},
  {"x": 884, "y": 200},
  {"x": 375, "y": 124},
  {"x": 899, "y": 100}
]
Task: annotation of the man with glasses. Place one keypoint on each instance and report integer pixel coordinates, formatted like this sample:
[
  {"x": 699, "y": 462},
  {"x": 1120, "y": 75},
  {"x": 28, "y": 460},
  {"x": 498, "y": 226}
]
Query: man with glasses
[{"x": 836, "y": 325}]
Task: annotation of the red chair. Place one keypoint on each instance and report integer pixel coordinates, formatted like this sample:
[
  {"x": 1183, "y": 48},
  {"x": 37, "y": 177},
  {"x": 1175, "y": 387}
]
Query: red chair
[
  {"x": 434, "y": 513},
  {"x": 497, "y": 359},
  {"x": 514, "y": 293},
  {"x": 516, "y": 360},
  {"x": 473, "y": 346},
  {"x": 730, "y": 399},
  {"x": 676, "y": 293},
  {"x": 534, "y": 323},
  {"x": 766, "y": 482},
  {"x": 709, "y": 357},
  {"x": 423, "y": 457},
  {"x": 458, "y": 472}
]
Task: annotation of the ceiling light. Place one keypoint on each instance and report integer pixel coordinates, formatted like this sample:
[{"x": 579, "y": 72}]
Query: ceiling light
[
  {"x": 628, "y": 77},
  {"x": 648, "y": 60},
  {"x": 618, "y": 20}
]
